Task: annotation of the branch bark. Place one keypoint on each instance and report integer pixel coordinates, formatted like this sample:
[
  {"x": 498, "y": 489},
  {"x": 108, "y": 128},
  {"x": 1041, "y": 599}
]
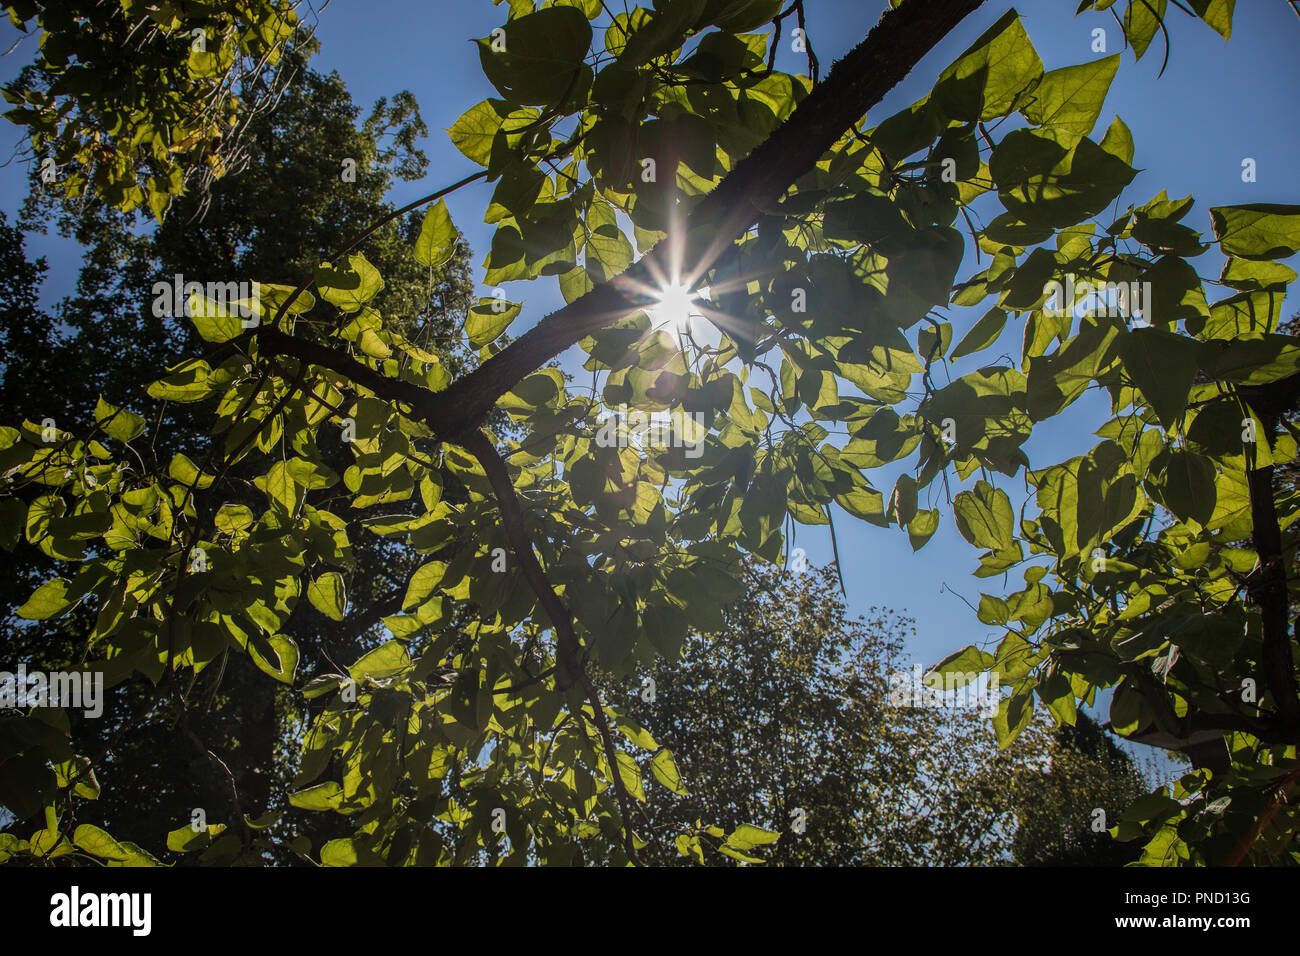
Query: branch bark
[
  {"x": 615, "y": 773},
  {"x": 856, "y": 83},
  {"x": 1268, "y": 589},
  {"x": 567, "y": 667},
  {"x": 1243, "y": 846},
  {"x": 271, "y": 341},
  {"x": 1267, "y": 584}
]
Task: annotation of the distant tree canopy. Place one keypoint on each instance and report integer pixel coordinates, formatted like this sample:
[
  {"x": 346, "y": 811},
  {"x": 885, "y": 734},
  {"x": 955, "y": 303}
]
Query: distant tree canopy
[
  {"x": 656, "y": 163},
  {"x": 1065, "y": 814},
  {"x": 789, "y": 717}
]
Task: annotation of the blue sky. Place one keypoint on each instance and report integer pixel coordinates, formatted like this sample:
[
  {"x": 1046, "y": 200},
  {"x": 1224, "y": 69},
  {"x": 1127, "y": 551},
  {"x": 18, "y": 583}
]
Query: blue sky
[{"x": 1216, "y": 104}]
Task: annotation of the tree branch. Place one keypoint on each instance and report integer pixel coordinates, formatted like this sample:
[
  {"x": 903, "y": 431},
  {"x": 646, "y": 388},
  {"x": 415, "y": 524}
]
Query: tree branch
[
  {"x": 568, "y": 669},
  {"x": 1267, "y": 584},
  {"x": 856, "y": 83},
  {"x": 271, "y": 341},
  {"x": 1248, "y": 839},
  {"x": 616, "y": 775}
]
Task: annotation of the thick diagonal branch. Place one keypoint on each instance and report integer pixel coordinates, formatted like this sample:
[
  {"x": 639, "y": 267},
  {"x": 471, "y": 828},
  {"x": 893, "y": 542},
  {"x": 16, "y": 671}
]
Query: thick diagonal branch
[{"x": 857, "y": 83}]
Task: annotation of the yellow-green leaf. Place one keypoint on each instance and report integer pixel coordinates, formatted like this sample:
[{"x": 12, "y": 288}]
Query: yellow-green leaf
[
  {"x": 327, "y": 595},
  {"x": 437, "y": 236},
  {"x": 118, "y": 422}
]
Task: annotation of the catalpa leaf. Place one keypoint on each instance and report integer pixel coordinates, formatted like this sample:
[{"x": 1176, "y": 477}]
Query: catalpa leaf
[
  {"x": 117, "y": 422},
  {"x": 326, "y": 594},
  {"x": 438, "y": 235},
  {"x": 1257, "y": 231}
]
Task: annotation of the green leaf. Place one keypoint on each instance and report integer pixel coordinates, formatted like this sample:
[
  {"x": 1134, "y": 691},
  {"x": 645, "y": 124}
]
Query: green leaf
[
  {"x": 1163, "y": 365},
  {"x": 747, "y": 836},
  {"x": 922, "y": 527},
  {"x": 310, "y": 474},
  {"x": 741, "y": 16},
  {"x": 188, "y": 382},
  {"x": 326, "y": 594},
  {"x": 608, "y": 251},
  {"x": 186, "y": 840},
  {"x": 1247, "y": 276},
  {"x": 340, "y": 852},
  {"x": 969, "y": 660},
  {"x": 233, "y": 518},
  {"x": 902, "y": 503},
  {"x": 1253, "y": 360},
  {"x": 214, "y": 321},
  {"x": 1176, "y": 291},
  {"x": 1013, "y": 716},
  {"x": 276, "y": 655},
  {"x": 438, "y": 236},
  {"x": 488, "y": 319},
  {"x": 1118, "y": 141},
  {"x": 320, "y": 686},
  {"x": 1047, "y": 177},
  {"x": 732, "y": 852},
  {"x": 1210, "y": 637},
  {"x": 187, "y": 473},
  {"x": 274, "y": 296},
  {"x": 983, "y": 334},
  {"x": 988, "y": 79},
  {"x": 542, "y": 57},
  {"x": 1257, "y": 231},
  {"x": 324, "y": 796},
  {"x": 13, "y": 518},
  {"x": 1217, "y": 14},
  {"x": 659, "y": 33},
  {"x": 631, "y": 776},
  {"x": 265, "y": 821},
  {"x": 98, "y": 843},
  {"x": 908, "y": 130},
  {"x": 574, "y": 284},
  {"x": 1071, "y": 98},
  {"x": 11, "y": 846},
  {"x": 387, "y": 660},
  {"x": 281, "y": 490},
  {"x": 664, "y": 769},
  {"x": 1129, "y": 711},
  {"x": 47, "y": 601},
  {"x": 1188, "y": 486},
  {"x": 517, "y": 192},
  {"x": 118, "y": 422},
  {"x": 350, "y": 287},
  {"x": 984, "y": 517},
  {"x": 637, "y": 734},
  {"x": 422, "y": 583},
  {"x": 1141, "y": 21},
  {"x": 475, "y": 132}
]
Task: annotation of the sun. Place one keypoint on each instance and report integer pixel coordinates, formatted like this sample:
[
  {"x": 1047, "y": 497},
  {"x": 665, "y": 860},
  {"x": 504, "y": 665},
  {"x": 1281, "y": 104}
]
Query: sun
[{"x": 674, "y": 307}]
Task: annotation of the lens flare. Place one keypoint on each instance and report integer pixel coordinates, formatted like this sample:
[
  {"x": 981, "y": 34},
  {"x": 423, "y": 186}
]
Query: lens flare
[{"x": 674, "y": 307}]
